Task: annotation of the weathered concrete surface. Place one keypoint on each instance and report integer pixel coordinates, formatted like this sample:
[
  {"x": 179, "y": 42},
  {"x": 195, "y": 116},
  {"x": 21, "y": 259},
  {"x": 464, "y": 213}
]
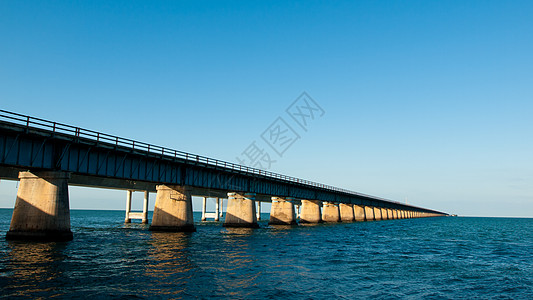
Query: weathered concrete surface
[
  {"x": 173, "y": 209},
  {"x": 377, "y": 214},
  {"x": 310, "y": 212},
  {"x": 330, "y": 212},
  {"x": 346, "y": 212},
  {"x": 369, "y": 213},
  {"x": 359, "y": 213},
  {"x": 241, "y": 211},
  {"x": 384, "y": 214},
  {"x": 42, "y": 208},
  {"x": 282, "y": 212}
]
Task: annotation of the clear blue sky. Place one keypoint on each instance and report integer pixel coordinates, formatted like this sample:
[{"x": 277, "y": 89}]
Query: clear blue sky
[{"x": 428, "y": 101}]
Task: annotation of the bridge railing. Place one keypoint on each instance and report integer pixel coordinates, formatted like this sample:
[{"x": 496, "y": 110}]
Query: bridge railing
[{"x": 55, "y": 127}]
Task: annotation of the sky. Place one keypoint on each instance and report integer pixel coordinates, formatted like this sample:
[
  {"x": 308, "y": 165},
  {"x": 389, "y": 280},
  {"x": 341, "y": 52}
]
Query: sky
[{"x": 424, "y": 102}]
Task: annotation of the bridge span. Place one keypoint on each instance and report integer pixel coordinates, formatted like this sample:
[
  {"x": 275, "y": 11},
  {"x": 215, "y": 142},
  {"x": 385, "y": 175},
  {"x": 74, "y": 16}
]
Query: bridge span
[{"x": 49, "y": 156}]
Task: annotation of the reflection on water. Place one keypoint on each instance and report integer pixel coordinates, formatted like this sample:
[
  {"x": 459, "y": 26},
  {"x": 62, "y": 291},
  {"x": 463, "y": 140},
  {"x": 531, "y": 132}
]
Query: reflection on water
[
  {"x": 237, "y": 269},
  {"x": 229, "y": 231},
  {"x": 169, "y": 266},
  {"x": 169, "y": 254},
  {"x": 30, "y": 262}
]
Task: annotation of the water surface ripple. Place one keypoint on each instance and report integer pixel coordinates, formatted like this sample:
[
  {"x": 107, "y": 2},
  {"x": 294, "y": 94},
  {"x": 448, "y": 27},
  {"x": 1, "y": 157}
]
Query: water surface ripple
[{"x": 436, "y": 258}]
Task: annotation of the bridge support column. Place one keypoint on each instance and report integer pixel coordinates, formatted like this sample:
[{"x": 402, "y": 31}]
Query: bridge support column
[
  {"x": 221, "y": 207},
  {"x": 42, "y": 208},
  {"x": 310, "y": 212},
  {"x": 241, "y": 211},
  {"x": 369, "y": 213},
  {"x": 128, "y": 206},
  {"x": 346, "y": 211},
  {"x": 204, "y": 206},
  {"x": 258, "y": 210},
  {"x": 282, "y": 212},
  {"x": 359, "y": 213},
  {"x": 173, "y": 209},
  {"x": 217, "y": 210},
  {"x": 145, "y": 207},
  {"x": 331, "y": 212},
  {"x": 377, "y": 214}
]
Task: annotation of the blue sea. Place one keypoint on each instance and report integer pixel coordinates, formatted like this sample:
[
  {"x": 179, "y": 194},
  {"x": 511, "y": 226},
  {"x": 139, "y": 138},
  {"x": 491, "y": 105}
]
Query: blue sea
[{"x": 432, "y": 258}]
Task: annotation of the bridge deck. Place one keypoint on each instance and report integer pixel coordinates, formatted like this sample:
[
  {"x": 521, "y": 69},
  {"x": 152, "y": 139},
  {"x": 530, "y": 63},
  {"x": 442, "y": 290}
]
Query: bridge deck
[{"x": 107, "y": 161}]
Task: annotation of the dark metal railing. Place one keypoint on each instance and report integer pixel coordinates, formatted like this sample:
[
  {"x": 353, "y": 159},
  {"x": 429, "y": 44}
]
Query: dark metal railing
[{"x": 32, "y": 122}]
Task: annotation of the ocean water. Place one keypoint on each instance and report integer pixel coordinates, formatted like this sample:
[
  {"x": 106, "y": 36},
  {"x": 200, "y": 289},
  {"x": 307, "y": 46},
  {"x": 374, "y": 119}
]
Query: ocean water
[{"x": 433, "y": 258}]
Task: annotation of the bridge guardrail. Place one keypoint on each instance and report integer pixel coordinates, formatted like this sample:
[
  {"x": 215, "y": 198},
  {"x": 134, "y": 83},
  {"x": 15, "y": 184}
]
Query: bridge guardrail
[{"x": 55, "y": 127}]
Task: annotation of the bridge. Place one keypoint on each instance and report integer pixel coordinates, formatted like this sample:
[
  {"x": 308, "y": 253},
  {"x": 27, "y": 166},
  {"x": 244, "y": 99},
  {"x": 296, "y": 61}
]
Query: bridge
[{"x": 48, "y": 156}]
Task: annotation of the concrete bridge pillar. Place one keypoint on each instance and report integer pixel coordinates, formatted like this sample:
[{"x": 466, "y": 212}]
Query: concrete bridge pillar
[
  {"x": 204, "y": 208},
  {"x": 282, "y": 212},
  {"x": 173, "y": 209},
  {"x": 359, "y": 213},
  {"x": 377, "y": 214},
  {"x": 369, "y": 213},
  {"x": 217, "y": 210},
  {"x": 395, "y": 213},
  {"x": 385, "y": 214},
  {"x": 42, "y": 208},
  {"x": 258, "y": 210},
  {"x": 128, "y": 206},
  {"x": 311, "y": 212},
  {"x": 145, "y": 207},
  {"x": 346, "y": 212},
  {"x": 241, "y": 211},
  {"x": 330, "y": 212}
]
